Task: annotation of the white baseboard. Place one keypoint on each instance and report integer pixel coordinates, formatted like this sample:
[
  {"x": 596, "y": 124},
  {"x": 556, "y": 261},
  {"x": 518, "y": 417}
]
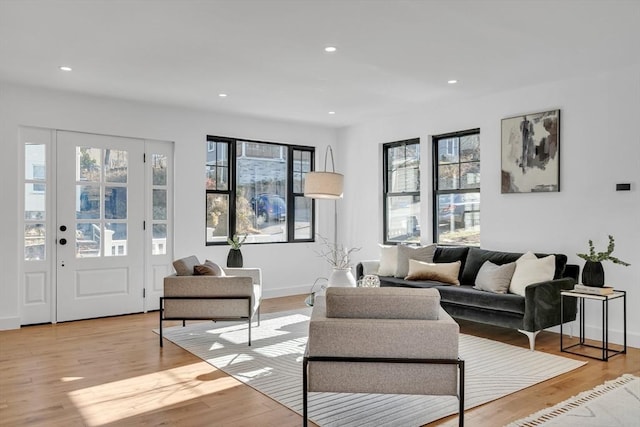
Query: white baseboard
[
  {"x": 288, "y": 291},
  {"x": 7, "y": 323}
]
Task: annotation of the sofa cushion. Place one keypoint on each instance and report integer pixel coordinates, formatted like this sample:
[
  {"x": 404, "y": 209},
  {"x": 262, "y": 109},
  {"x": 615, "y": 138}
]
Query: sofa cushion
[
  {"x": 495, "y": 278},
  {"x": 531, "y": 269},
  {"x": 388, "y": 260},
  {"x": 383, "y": 303},
  {"x": 467, "y": 296},
  {"x": 477, "y": 257},
  {"x": 406, "y": 253},
  {"x": 446, "y": 272},
  {"x": 184, "y": 266},
  {"x": 452, "y": 254}
]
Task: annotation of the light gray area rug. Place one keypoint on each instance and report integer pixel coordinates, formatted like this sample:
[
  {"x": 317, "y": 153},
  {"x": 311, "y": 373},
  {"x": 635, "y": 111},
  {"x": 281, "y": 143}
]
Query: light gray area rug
[
  {"x": 273, "y": 366},
  {"x": 615, "y": 403}
]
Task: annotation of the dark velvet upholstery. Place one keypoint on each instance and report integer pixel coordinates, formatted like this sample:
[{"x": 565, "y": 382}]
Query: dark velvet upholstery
[{"x": 537, "y": 310}]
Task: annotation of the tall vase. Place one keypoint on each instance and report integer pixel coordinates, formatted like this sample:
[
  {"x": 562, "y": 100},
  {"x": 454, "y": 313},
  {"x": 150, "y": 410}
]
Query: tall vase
[
  {"x": 342, "y": 277},
  {"x": 234, "y": 259},
  {"x": 593, "y": 274}
]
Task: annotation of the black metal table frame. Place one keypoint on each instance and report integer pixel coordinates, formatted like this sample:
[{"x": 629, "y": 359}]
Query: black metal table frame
[{"x": 606, "y": 351}]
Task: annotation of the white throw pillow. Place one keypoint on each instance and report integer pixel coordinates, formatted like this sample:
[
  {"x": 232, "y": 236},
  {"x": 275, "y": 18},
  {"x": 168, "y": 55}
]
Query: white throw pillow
[
  {"x": 531, "y": 269},
  {"x": 388, "y": 260},
  {"x": 495, "y": 278}
]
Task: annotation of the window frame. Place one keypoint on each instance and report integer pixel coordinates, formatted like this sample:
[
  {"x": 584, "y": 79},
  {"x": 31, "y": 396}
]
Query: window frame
[
  {"x": 385, "y": 185},
  {"x": 290, "y": 194},
  {"x": 436, "y": 192}
]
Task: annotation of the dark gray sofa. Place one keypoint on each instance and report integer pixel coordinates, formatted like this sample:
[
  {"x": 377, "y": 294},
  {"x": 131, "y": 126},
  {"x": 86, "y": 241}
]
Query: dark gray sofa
[{"x": 537, "y": 310}]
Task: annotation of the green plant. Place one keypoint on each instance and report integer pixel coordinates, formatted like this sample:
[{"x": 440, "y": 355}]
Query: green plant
[
  {"x": 237, "y": 241},
  {"x": 602, "y": 256}
]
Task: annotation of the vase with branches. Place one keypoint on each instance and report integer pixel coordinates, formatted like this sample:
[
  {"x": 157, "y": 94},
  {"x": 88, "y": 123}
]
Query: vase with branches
[
  {"x": 339, "y": 258},
  {"x": 593, "y": 272}
]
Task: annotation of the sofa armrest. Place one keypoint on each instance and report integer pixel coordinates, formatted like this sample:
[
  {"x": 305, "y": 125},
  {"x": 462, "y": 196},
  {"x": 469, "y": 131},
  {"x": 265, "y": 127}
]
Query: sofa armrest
[
  {"x": 254, "y": 273},
  {"x": 542, "y": 304},
  {"x": 367, "y": 267}
]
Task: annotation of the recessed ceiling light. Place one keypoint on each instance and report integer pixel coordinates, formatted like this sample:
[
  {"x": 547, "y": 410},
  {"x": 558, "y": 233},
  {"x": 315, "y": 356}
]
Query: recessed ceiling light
[
  {"x": 64, "y": 68},
  {"x": 452, "y": 82},
  {"x": 330, "y": 49},
  {"x": 222, "y": 95},
  {"x": 332, "y": 112}
]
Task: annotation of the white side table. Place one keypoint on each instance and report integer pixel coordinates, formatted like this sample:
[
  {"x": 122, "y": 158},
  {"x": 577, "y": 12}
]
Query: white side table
[{"x": 582, "y": 297}]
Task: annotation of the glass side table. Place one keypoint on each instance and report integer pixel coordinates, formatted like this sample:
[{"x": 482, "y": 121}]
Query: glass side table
[{"x": 604, "y": 345}]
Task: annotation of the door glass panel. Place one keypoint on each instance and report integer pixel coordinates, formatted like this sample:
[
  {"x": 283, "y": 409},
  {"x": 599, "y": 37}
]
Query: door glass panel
[
  {"x": 159, "y": 244},
  {"x": 88, "y": 237},
  {"x": 115, "y": 239},
  {"x": 115, "y": 165},
  {"x": 159, "y": 204},
  {"x": 115, "y": 202},
  {"x": 159, "y": 168},
  {"x": 87, "y": 201},
  {"x": 34, "y": 202},
  {"x": 34, "y": 242},
  {"x": 89, "y": 163}
]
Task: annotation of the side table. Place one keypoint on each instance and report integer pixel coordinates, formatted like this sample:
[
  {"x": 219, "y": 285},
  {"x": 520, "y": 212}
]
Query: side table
[{"x": 582, "y": 297}]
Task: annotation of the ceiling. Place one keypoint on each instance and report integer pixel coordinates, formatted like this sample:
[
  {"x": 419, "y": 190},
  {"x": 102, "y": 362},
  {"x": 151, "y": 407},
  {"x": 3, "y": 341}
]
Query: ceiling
[{"x": 268, "y": 55}]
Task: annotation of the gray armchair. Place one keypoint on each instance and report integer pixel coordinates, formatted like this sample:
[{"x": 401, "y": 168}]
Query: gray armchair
[
  {"x": 235, "y": 295},
  {"x": 382, "y": 340}
]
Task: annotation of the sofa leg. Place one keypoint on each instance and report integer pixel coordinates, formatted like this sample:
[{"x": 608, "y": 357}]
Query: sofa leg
[{"x": 532, "y": 338}]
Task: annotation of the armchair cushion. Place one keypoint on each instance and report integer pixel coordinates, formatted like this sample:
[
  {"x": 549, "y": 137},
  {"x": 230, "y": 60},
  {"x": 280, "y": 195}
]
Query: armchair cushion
[
  {"x": 209, "y": 268},
  {"x": 184, "y": 266},
  {"x": 382, "y": 303}
]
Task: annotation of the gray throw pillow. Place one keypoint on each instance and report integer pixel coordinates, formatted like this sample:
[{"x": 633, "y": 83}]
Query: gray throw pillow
[
  {"x": 495, "y": 278},
  {"x": 419, "y": 253}
]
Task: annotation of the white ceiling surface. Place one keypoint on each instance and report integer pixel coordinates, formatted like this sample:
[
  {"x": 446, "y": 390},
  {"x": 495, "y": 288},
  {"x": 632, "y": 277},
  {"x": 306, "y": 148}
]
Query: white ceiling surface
[{"x": 268, "y": 55}]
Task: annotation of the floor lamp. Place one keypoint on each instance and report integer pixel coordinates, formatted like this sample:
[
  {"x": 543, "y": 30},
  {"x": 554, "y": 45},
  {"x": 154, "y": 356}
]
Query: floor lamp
[{"x": 326, "y": 185}]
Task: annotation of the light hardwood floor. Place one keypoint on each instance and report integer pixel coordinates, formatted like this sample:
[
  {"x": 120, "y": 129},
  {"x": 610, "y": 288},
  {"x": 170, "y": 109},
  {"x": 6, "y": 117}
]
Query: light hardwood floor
[{"x": 111, "y": 371}]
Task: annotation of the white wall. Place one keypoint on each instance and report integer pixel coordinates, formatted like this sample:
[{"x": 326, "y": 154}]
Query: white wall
[
  {"x": 287, "y": 269},
  {"x": 600, "y": 146}
]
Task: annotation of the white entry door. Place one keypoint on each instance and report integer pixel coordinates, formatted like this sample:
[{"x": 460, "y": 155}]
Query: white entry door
[{"x": 100, "y": 225}]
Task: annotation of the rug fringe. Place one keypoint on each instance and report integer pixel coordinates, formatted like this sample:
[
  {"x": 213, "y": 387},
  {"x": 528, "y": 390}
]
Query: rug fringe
[{"x": 547, "y": 414}]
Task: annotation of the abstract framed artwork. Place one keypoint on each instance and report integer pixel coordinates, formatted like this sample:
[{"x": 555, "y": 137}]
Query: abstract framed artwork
[{"x": 531, "y": 153}]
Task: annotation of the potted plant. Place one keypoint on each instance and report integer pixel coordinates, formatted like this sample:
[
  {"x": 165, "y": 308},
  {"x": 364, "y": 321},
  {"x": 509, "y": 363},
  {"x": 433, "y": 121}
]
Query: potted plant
[
  {"x": 339, "y": 258},
  {"x": 234, "y": 259},
  {"x": 593, "y": 273}
]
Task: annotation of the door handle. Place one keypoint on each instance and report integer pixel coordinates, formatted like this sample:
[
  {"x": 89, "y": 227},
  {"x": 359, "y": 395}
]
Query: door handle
[{"x": 63, "y": 241}]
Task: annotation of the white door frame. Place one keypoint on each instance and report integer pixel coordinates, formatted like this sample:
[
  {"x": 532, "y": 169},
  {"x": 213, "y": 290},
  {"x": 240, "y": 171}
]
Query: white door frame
[{"x": 38, "y": 287}]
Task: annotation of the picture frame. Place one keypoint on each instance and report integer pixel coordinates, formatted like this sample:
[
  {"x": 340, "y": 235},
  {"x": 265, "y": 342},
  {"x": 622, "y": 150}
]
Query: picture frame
[{"x": 531, "y": 153}]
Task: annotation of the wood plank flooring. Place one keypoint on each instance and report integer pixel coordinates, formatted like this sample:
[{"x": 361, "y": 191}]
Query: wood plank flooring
[{"x": 111, "y": 372}]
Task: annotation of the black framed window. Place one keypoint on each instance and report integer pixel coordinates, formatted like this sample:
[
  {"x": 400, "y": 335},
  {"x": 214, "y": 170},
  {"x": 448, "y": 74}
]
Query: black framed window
[
  {"x": 456, "y": 188},
  {"x": 401, "y": 191},
  {"x": 255, "y": 188}
]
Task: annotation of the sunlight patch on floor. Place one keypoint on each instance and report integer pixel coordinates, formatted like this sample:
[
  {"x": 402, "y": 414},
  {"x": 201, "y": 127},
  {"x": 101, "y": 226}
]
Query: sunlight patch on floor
[{"x": 118, "y": 400}]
